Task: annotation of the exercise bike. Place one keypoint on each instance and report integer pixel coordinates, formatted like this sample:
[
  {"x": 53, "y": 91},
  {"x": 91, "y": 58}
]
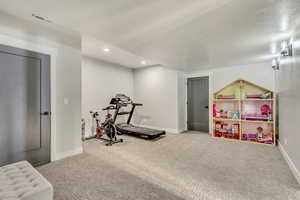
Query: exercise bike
[{"x": 107, "y": 128}]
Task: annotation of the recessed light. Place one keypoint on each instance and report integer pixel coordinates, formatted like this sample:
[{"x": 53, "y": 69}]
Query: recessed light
[
  {"x": 106, "y": 49},
  {"x": 143, "y": 62}
]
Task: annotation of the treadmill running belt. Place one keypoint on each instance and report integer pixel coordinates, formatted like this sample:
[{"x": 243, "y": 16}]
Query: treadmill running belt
[{"x": 141, "y": 130}]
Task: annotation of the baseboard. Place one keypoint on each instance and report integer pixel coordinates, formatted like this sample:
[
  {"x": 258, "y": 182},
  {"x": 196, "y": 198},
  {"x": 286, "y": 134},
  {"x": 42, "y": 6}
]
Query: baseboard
[
  {"x": 66, "y": 154},
  {"x": 289, "y": 161},
  {"x": 168, "y": 130},
  {"x": 181, "y": 130},
  {"x": 171, "y": 130}
]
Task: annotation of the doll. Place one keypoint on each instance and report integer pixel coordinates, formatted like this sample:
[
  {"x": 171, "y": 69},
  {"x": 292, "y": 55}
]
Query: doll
[
  {"x": 260, "y": 133},
  {"x": 268, "y": 138}
]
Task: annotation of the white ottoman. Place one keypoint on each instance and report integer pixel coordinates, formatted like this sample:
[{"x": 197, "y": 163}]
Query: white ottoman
[{"x": 20, "y": 181}]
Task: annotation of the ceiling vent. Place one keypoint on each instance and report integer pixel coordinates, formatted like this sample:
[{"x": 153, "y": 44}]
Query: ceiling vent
[{"x": 38, "y": 17}]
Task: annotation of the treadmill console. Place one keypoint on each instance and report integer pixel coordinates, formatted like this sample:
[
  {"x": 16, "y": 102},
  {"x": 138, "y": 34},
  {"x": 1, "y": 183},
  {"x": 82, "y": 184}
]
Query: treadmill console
[
  {"x": 122, "y": 99},
  {"x": 114, "y": 101}
]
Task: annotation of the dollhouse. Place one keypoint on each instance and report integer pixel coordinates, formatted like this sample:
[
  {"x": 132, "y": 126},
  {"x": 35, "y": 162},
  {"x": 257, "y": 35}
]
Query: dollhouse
[{"x": 246, "y": 112}]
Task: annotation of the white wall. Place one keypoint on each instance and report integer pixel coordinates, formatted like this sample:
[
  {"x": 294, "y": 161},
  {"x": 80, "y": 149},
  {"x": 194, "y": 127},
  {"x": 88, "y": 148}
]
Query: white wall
[
  {"x": 65, "y": 78},
  {"x": 181, "y": 102},
  {"x": 288, "y": 88},
  {"x": 163, "y": 91},
  {"x": 68, "y": 86},
  {"x": 100, "y": 82},
  {"x": 157, "y": 89},
  {"x": 261, "y": 74}
]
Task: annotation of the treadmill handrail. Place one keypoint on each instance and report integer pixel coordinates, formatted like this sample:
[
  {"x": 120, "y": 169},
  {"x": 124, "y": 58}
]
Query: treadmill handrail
[{"x": 109, "y": 108}]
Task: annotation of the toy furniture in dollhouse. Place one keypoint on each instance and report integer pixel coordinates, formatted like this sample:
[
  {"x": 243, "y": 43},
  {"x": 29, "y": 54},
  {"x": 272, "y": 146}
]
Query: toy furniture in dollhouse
[{"x": 245, "y": 112}]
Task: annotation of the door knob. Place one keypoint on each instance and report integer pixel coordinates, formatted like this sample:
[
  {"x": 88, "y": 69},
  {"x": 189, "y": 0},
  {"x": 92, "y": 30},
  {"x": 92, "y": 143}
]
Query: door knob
[
  {"x": 46, "y": 113},
  {"x": 206, "y": 107}
]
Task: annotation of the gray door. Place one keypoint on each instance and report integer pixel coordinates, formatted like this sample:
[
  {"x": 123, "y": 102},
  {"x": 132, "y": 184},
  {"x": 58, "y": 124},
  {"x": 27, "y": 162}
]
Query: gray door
[
  {"x": 24, "y": 103},
  {"x": 197, "y": 104}
]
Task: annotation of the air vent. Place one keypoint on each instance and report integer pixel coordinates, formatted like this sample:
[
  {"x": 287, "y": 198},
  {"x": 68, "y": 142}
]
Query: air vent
[{"x": 38, "y": 17}]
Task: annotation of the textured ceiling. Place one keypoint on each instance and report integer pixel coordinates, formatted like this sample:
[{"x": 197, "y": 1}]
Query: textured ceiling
[{"x": 189, "y": 35}]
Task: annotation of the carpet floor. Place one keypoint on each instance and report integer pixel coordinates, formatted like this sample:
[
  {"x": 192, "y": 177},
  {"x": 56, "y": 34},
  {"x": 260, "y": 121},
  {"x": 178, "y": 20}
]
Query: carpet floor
[{"x": 180, "y": 166}]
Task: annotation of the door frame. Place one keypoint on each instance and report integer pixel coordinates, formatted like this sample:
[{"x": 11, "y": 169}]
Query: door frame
[
  {"x": 37, "y": 46},
  {"x": 210, "y": 99}
]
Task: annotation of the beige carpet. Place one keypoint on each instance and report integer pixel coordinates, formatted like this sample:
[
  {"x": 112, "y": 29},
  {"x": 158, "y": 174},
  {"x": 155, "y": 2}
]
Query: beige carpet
[{"x": 180, "y": 166}]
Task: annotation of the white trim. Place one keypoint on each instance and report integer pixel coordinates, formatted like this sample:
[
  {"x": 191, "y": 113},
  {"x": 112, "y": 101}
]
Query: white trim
[
  {"x": 289, "y": 161},
  {"x": 181, "y": 130},
  {"x": 171, "y": 130},
  {"x": 210, "y": 76},
  {"x": 66, "y": 154},
  {"x": 168, "y": 130},
  {"x": 45, "y": 49}
]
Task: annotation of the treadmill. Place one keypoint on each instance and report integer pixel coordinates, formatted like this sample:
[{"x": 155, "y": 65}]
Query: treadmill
[{"x": 127, "y": 128}]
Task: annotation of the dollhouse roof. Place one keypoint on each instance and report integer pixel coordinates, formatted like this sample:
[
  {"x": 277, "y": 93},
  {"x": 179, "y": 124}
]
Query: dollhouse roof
[{"x": 238, "y": 81}]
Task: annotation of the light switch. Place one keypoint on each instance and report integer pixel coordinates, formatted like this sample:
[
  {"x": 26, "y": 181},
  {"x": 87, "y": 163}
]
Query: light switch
[{"x": 66, "y": 101}]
